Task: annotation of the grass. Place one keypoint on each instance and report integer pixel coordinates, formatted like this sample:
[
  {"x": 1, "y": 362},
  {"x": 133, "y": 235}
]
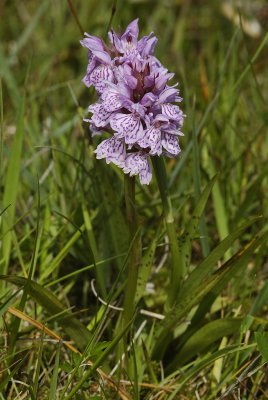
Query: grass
[{"x": 65, "y": 245}]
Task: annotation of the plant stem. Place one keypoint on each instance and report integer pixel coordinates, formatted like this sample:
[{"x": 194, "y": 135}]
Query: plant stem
[
  {"x": 135, "y": 252},
  {"x": 177, "y": 267}
]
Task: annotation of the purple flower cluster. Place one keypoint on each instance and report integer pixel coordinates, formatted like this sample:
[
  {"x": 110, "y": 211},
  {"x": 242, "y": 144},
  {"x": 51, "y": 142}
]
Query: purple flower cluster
[{"x": 135, "y": 103}]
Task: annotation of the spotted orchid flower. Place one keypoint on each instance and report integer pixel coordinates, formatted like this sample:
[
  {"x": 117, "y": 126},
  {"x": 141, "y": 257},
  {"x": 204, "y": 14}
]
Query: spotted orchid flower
[{"x": 135, "y": 105}]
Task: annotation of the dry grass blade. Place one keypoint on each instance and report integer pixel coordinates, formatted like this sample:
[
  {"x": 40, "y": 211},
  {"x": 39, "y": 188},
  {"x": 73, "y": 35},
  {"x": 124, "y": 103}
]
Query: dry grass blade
[{"x": 124, "y": 395}]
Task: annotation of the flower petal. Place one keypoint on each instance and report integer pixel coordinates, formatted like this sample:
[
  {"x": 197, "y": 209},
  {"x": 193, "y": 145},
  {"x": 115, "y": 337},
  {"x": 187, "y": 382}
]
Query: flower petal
[
  {"x": 148, "y": 99},
  {"x": 169, "y": 94},
  {"x": 152, "y": 139},
  {"x": 171, "y": 111},
  {"x": 128, "y": 126},
  {"x": 171, "y": 143},
  {"x": 113, "y": 150},
  {"x": 96, "y": 47},
  {"x": 92, "y": 42},
  {"x": 138, "y": 164},
  {"x": 100, "y": 76},
  {"x": 133, "y": 27},
  {"x": 112, "y": 101},
  {"x": 100, "y": 116}
]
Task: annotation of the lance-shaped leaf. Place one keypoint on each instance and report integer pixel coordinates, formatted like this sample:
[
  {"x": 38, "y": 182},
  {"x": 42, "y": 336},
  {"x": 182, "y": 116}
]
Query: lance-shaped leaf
[
  {"x": 192, "y": 228},
  {"x": 212, "y": 285},
  {"x": 47, "y": 300},
  {"x": 205, "y": 336}
]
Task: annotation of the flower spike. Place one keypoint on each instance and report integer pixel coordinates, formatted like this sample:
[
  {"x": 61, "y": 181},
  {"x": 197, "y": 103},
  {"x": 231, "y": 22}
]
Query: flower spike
[{"x": 135, "y": 105}]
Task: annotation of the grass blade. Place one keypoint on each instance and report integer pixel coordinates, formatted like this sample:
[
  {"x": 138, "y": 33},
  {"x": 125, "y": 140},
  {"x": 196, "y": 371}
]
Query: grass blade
[
  {"x": 54, "y": 380},
  {"x": 11, "y": 186},
  {"x": 192, "y": 228},
  {"x": 73, "y": 327},
  {"x": 204, "y": 337},
  {"x": 211, "y": 287}
]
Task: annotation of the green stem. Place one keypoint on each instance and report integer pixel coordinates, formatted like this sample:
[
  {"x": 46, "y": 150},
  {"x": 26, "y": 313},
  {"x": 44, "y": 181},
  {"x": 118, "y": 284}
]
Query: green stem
[
  {"x": 177, "y": 267},
  {"x": 135, "y": 252}
]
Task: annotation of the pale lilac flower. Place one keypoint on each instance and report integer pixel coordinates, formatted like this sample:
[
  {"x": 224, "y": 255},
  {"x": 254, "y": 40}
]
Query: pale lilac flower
[
  {"x": 135, "y": 105},
  {"x": 138, "y": 164},
  {"x": 113, "y": 150}
]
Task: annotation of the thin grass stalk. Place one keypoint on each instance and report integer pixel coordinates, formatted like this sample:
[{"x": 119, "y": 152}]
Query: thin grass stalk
[{"x": 177, "y": 266}]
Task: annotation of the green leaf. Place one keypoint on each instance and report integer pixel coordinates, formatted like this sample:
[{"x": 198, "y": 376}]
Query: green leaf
[
  {"x": 219, "y": 205},
  {"x": 8, "y": 377},
  {"x": 262, "y": 343},
  {"x": 1, "y": 135},
  {"x": 240, "y": 261},
  {"x": 100, "y": 359},
  {"x": 113, "y": 216},
  {"x": 177, "y": 270},
  {"x": 192, "y": 228},
  {"x": 197, "y": 190},
  {"x": 207, "y": 360},
  {"x": 4, "y": 306},
  {"x": 145, "y": 270},
  {"x": 207, "y": 266},
  {"x": 205, "y": 336},
  {"x": 212, "y": 286},
  {"x": 261, "y": 300},
  {"x": 37, "y": 369},
  {"x": 72, "y": 326},
  {"x": 54, "y": 380},
  {"x": 62, "y": 254}
]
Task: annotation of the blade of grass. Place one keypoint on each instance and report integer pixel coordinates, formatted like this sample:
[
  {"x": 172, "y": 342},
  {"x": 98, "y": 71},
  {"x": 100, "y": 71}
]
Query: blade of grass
[
  {"x": 9, "y": 80},
  {"x": 177, "y": 270},
  {"x": 197, "y": 189},
  {"x": 12, "y": 185},
  {"x": 209, "y": 299},
  {"x": 145, "y": 269},
  {"x": 218, "y": 202},
  {"x": 1, "y": 135},
  {"x": 204, "y": 337},
  {"x": 7, "y": 303},
  {"x": 73, "y": 327},
  {"x": 191, "y": 230},
  {"x": 28, "y": 32},
  {"x": 38, "y": 366},
  {"x": 208, "y": 112},
  {"x": 98, "y": 362},
  {"x": 16, "y": 321},
  {"x": 262, "y": 340},
  {"x": 206, "y": 267},
  {"x": 62, "y": 254},
  {"x": 211, "y": 287},
  {"x": 53, "y": 383},
  {"x": 206, "y": 361}
]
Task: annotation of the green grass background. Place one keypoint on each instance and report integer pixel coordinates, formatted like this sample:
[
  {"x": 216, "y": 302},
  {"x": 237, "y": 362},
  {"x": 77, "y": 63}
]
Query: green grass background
[{"x": 62, "y": 213}]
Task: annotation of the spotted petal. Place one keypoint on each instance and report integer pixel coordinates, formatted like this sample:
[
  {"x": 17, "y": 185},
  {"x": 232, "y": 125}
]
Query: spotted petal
[
  {"x": 152, "y": 139},
  {"x": 100, "y": 116},
  {"x": 113, "y": 150},
  {"x": 128, "y": 126},
  {"x": 116, "y": 97},
  {"x": 138, "y": 164},
  {"x": 100, "y": 76},
  {"x": 112, "y": 101},
  {"x": 171, "y": 143},
  {"x": 171, "y": 111}
]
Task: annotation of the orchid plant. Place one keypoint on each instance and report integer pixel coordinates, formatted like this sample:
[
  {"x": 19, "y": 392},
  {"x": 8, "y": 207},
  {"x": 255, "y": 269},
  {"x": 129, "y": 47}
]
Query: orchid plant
[{"x": 136, "y": 107}]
